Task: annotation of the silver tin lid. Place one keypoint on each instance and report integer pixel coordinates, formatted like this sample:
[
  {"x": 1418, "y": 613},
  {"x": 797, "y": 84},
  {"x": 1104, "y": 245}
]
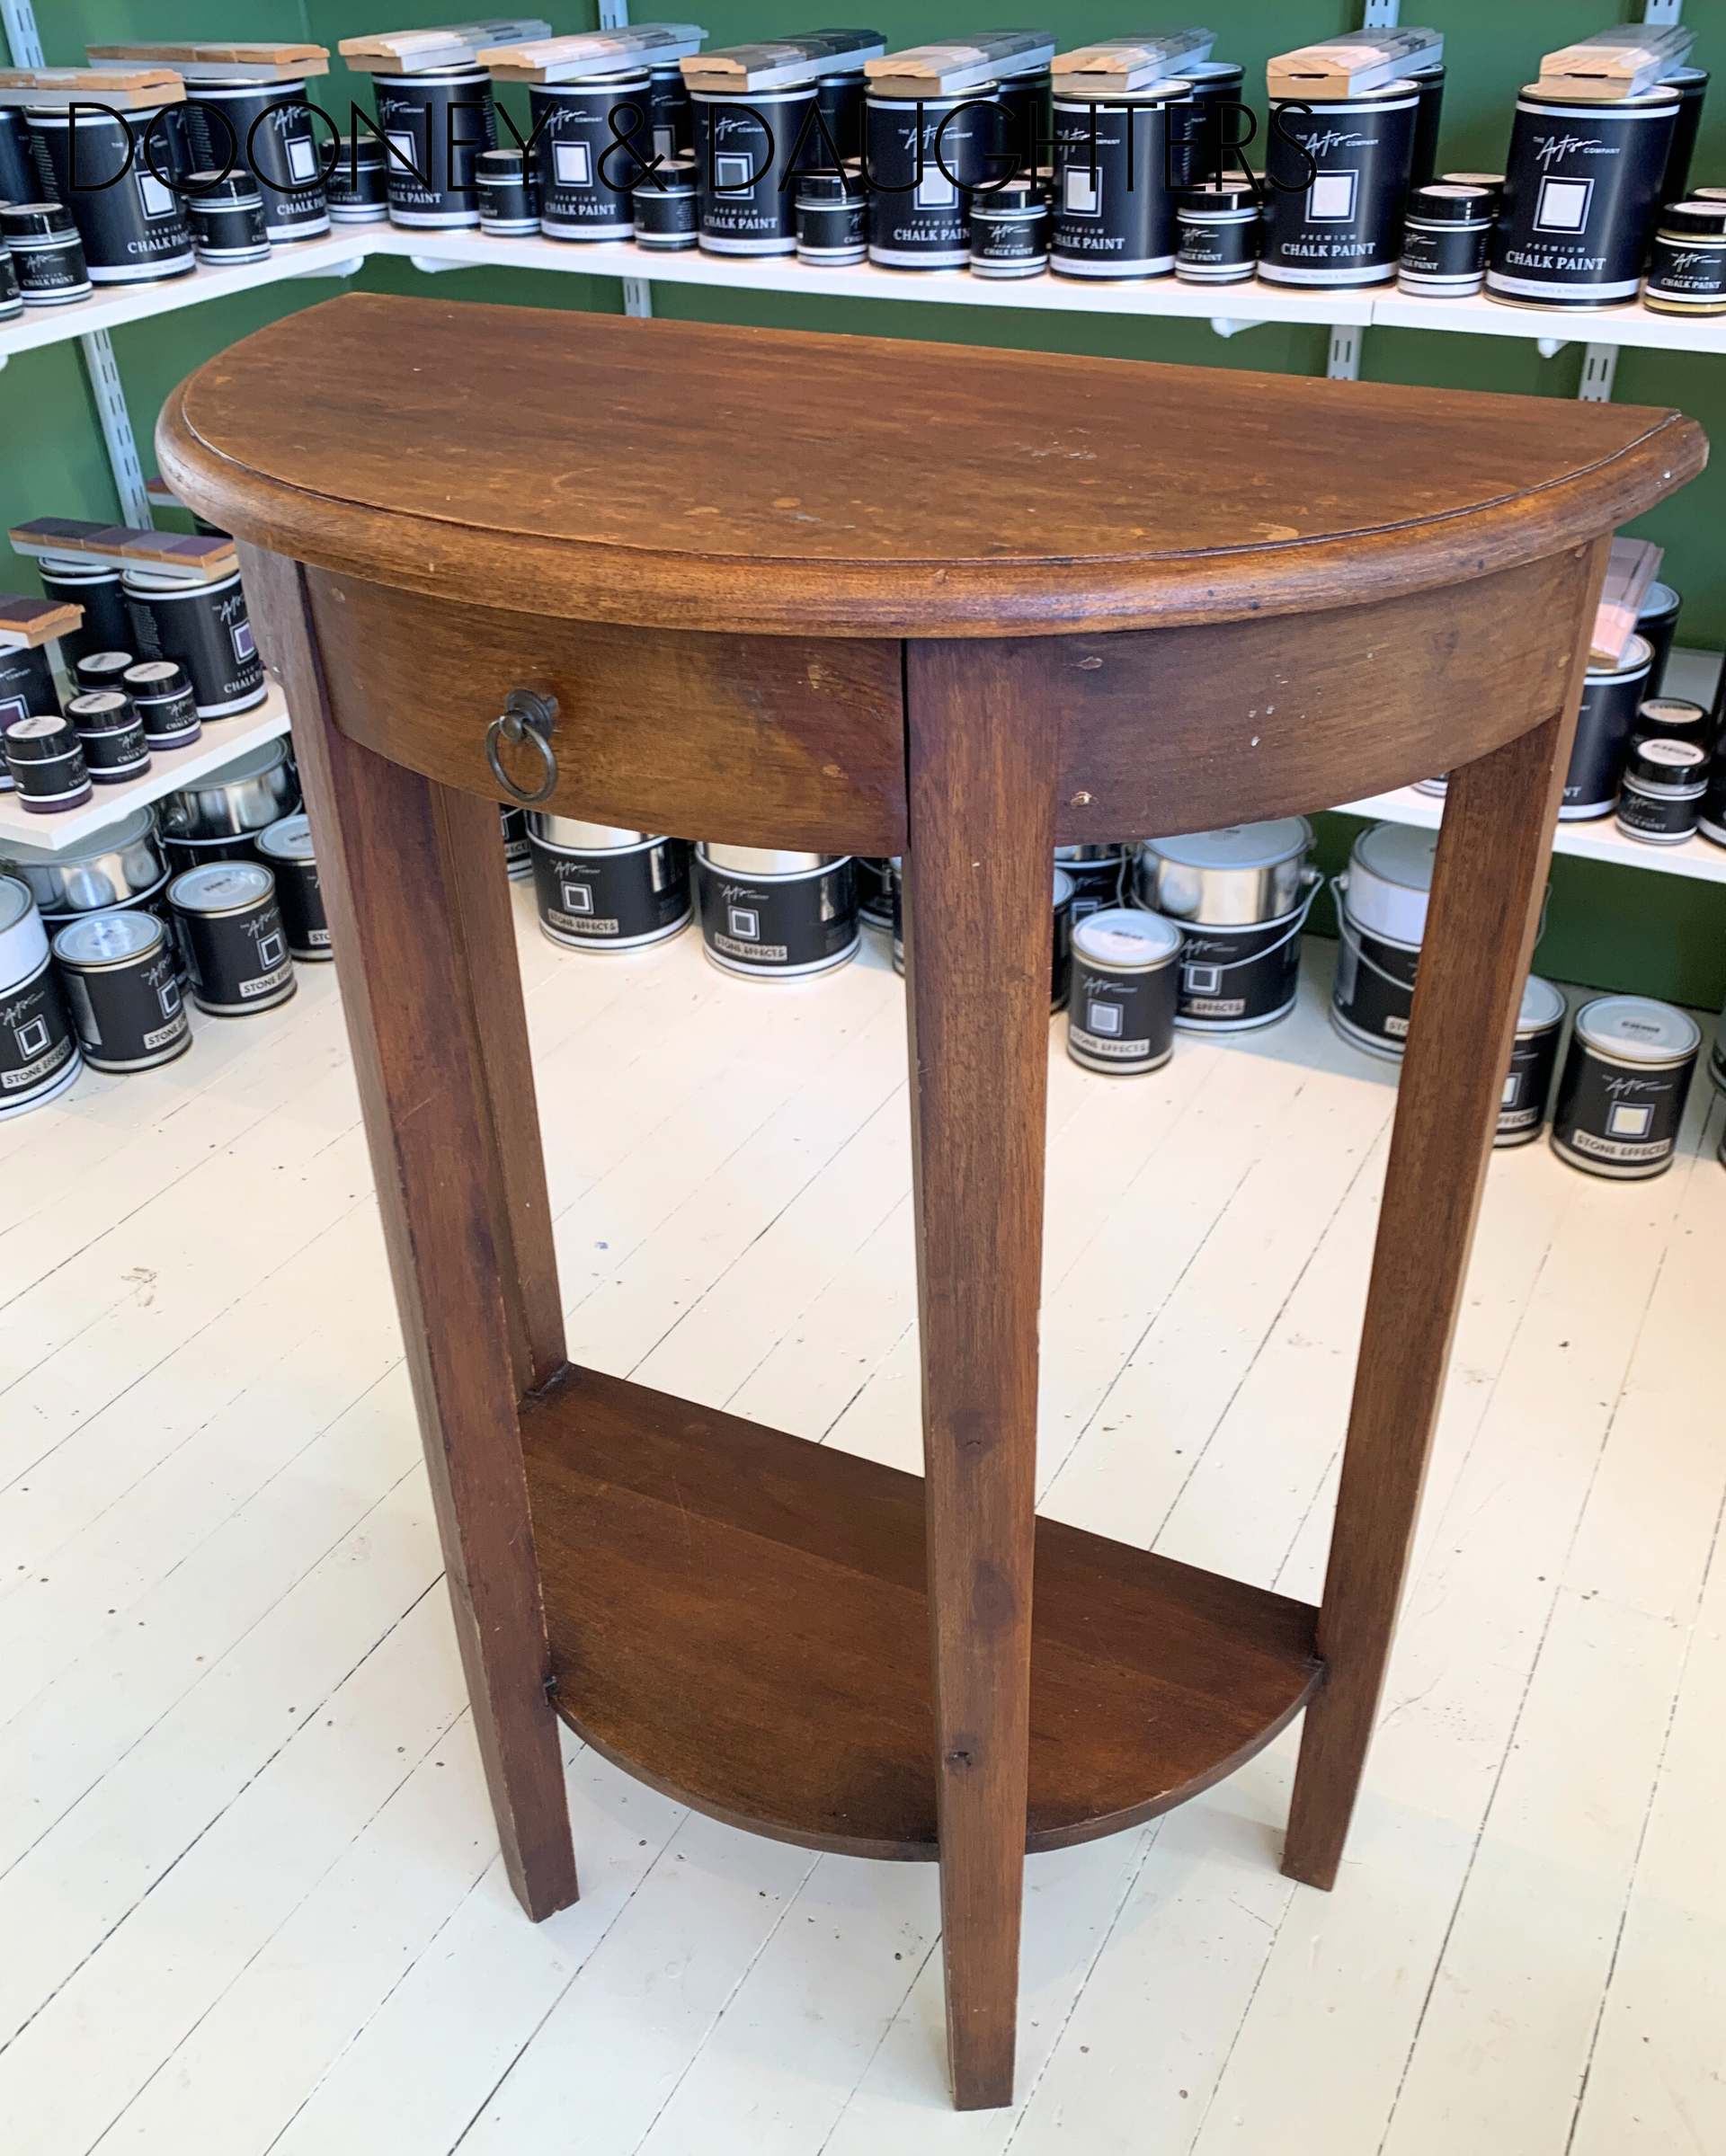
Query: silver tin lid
[
  {"x": 16, "y": 902},
  {"x": 111, "y": 839},
  {"x": 1237, "y": 845},
  {"x": 763, "y": 861},
  {"x": 1062, "y": 889},
  {"x": 1125, "y": 940},
  {"x": 1543, "y": 1005},
  {"x": 1671, "y": 710},
  {"x": 221, "y": 887},
  {"x": 77, "y": 569},
  {"x": 1066, "y": 854},
  {"x": 1398, "y": 852},
  {"x": 108, "y": 939},
  {"x": 1639, "y": 652},
  {"x": 158, "y": 584},
  {"x": 578, "y": 837},
  {"x": 1660, "y": 599},
  {"x": 289, "y": 840},
  {"x": 1635, "y": 1029},
  {"x": 267, "y": 756}
]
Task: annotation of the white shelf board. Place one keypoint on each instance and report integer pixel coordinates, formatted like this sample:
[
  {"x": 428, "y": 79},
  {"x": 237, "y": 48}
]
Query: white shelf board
[
  {"x": 223, "y": 741},
  {"x": 1481, "y": 317}
]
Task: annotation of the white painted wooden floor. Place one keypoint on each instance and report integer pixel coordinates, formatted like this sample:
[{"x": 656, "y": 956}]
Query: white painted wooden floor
[{"x": 250, "y": 1898}]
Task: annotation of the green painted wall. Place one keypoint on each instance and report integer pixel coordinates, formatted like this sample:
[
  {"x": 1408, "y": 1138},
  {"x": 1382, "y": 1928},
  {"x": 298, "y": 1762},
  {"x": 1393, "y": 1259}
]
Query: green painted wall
[{"x": 1610, "y": 927}]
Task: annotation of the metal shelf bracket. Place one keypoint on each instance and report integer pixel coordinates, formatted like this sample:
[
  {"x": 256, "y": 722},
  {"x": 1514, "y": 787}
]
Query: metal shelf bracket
[
  {"x": 1599, "y": 365},
  {"x": 1343, "y": 364}
]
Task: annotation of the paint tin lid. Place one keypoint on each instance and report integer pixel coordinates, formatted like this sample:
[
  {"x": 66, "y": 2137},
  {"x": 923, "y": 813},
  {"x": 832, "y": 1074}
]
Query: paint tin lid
[
  {"x": 267, "y": 756},
  {"x": 289, "y": 840},
  {"x": 101, "y": 711},
  {"x": 163, "y": 585},
  {"x": 17, "y": 903},
  {"x": 1217, "y": 199},
  {"x": 574, "y": 837},
  {"x": 111, "y": 839},
  {"x": 1398, "y": 852},
  {"x": 1661, "y": 761},
  {"x": 1125, "y": 940},
  {"x": 39, "y": 741},
  {"x": 1017, "y": 198},
  {"x": 216, "y": 189},
  {"x": 221, "y": 887},
  {"x": 1675, "y": 715},
  {"x": 1693, "y": 219},
  {"x": 1453, "y": 203},
  {"x": 1237, "y": 845},
  {"x": 1635, "y": 1029},
  {"x": 1062, "y": 890},
  {"x": 156, "y": 677},
  {"x": 1639, "y": 656},
  {"x": 107, "y": 939},
  {"x": 1662, "y": 599},
  {"x": 72, "y": 568},
  {"x": 1390, "y": 876},
  {"x": 1543, "y": 1006},
  {"x": 501, "y": 164},
  {"x": 823, "y": 189},
  {"x": 1492, "y": 181},
  {"x": 101, "y": 670},
  {"x": 1212, "y": 75},
  {"x": 1660, "y": 99},
  {"x": 36, "y": 221},
  {"x": 764, "y": 861},
  {"x": 1065, "y": 855}
]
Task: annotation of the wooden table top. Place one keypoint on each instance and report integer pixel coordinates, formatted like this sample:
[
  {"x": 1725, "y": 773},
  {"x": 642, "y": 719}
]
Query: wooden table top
[{"x": 679, "y": 474}]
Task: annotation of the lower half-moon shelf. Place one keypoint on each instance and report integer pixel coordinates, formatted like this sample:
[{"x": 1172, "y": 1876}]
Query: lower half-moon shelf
[{"x": 738, "y": 1618}]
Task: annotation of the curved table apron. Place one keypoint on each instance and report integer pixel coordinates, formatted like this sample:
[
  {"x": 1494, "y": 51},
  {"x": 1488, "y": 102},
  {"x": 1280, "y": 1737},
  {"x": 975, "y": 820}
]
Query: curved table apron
[{"x": 855, "y": 596}]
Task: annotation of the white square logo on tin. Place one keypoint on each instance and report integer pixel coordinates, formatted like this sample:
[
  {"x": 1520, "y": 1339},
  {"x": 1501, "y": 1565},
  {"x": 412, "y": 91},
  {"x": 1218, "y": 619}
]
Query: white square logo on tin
[
  {"x": 573, "y": 163},
  {"x": 403, "y": 146},
  {"x": 1331, "y": 199},
  {"x": 1563, "y": 205},
  {"x": 168, "y": 996},
  {"x": 1512, "y": 1088},
  {"x": 271, "y": 949},
  {"x": 302, "y": 159},
  {"x": 1106, "y": 1017},
  {"x": 1201, "y": 980},
  {"x": 745, "y": 924},
  {"x": 245, "y": 645},
  {"x": 935, "y": 190},
  {"x": 1628, "y": 1119},
  {"x": 578, "y": 898},
  {"x": 1084, "y": 191},
  {"x": 31, "y": 1036},
  {"x": 13, "y": 707},
  {"x": 733, "y": 175},
  {"x": 158, "y": 200}
]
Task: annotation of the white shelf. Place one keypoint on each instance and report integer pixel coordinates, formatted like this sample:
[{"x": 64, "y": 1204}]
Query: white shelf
[{"x": 223, "y": 741}]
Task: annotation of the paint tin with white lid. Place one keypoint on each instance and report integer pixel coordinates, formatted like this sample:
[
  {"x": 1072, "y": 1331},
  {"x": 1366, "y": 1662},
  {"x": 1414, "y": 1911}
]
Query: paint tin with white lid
[
  {"x": 100, "y": 670},
  {"x": 273, "y": 144},
  {"x": 1660, "y": 796},
  {"x": 666, "y": 207},
  {"x": 1242, "y": 893},
  {"x": 1443, "y": 239},
  {"x": 27, "y": 691},
  {"x": 1114, "y": 208},
  {"x": 746, "y": 145},
  {"x": 246, "y": 796},
  {"x": 207, "y": 628},
  {"x": 45, "y": 759},
  {"x": 227, "y": 219},
  {"x": 1217, "y": 225},
  {"x": 123, "y": 200},
  {"x": 1626, "y": 1078},
  {"x": 1657, "y": 623},
  {"x": 355, "y": 185},
  {"x": 47, "y": 254},
  {"x": 1611, "y": 698},
  {"x": 773, "y": 915},
  {"x": 111, "y": 736},
  {"x": 120, "y": 866},
  {"x": 1686, "y": 260},
  {"x": 1333, "y": 216},
  {"x": 601, "y": 888},
  {"x": 1534, "y": 1058},
  {"x": 232, "y": 938},
  {"x": 38, "y": 1053},
  {"x": 163, "y": 699},
  {"x": 1672, "y": 719},
  {"x": 78, "y": 581},
  {"x": 1121, "y": 1008},
  {"x": 833, "y": 211},
  {"x": 1581, "y": 184},
  {"x": 286, "y": 851},
  {"x": 436, "y": 122},
  {"x": 123, "y": 986},
  {"x": 1010, "y": 229},
  {"x": 594, "y": 144},
  {"x": 1381, "y": 919}
]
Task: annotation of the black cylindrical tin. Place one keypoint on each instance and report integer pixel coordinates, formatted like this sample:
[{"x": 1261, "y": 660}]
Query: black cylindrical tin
[
  {"x": 1692, "y": 87},
  {"x": 1341, "y": 225},
  {"x": 594, "y": 145},
  {"x": 26, "y": 689},
  {"x": 1098, "y": 874},
  {"x": 667, "y": 208},
  {"x": 1657, "y": 623},
  {"x": 1686, "y": 259},
  {"x": 1626, "y": 1078},
  {"x": 184, "y": 853},
  {"x": 47, "y": 254},
  {"x": 832, "y": 219},
  {"x": 20, "y": 180},
  {"x": 38, "y": 1053},
  {"x": 778, "y": 916},
  {"x": 874, "y": 890},
  {"x": 46, "y": 761},
  {"x": 122, "y": 865},
  {"x": 603, "y": 889},
  {"x": 285, "y": 849},
  {"x": 357, "y": 188},
  {"x": 1201, "y": 126},
  {"x": 1611, "y": 696},
  {"x": 1114, "y": 208},
  {"x": 1009, "y": 230},
  {"x": 273, "y": 143},
  {"x": 1580, "y": 186},
  {"x": 136, "y": 231},
  {"x": 1218, "y": 234},
  {"x": 110, "y": 734},
  {"x": 122, "y": 983},
  {"x": 518, "y": 855},
  {"x": 1232, "y": 980},
  {"x": 162, "y": 697},
  {"x": 1712, "y": 821},
  {"x": 1242, "y": 894},
  {"x": 1534, "y": 1058},
  {"x": 1443, "y": 239},
  {"x": 1660, "y": 796},
  {"x": 668, "y": 111},
  {"x": 100, "y": 670},
  {"x": 12, "y": 297},
  {"x": 924, "y": 159},
  {"x": 95, "y": 587},
  {"x": 1674, "y": 717},
  {"x": 237, "y": 801},
  {"x": 743, "y": 152},
  {"x": 840, "y": 101},
  {"x": 507, "y": 192},
  {"x": 232, "y": 938},
  {"x": 207, "y": 628},
  {"x": 437, "y": 123},
  {"x": 227, "y": 219},
  {"x": 1430, "y": 83},
  {"x": 1121, "y": 1009},
  {"x": 1380, "y": 919}
]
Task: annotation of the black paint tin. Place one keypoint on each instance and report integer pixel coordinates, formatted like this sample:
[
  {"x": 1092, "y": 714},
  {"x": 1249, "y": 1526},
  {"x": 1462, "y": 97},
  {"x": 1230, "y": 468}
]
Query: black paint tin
[
  {"x": 19, "y": 180},
  {"x": 226, "y": 220},
  {"x": 237, "y": 801},
  {"x": 518, "y": 855},
  {"x": 1674, "y": 717},
  {"x": 136, "y": 231},
  {"x": 668, "y": 111},
  {"x": 1242, "y": 894},
  {"x": 100, "y": 670},
  {"x": 1692, "y": 87},
  {"x": 1098, "y": 874},
  {"x": 1686, "y": 259},
  {"x": 1534, "y": 1058},
  {"x": 603, "y": 888},
  {"x": 110, "y": 734},
  {"x": 666, "y": 206},
  {"x": 206, "y": 627},
  {"x": 779, "y": 916},
  {"x": 1341, "y": 225},
  {"x": 95, "y": 587},
  {"x": 1581, "y": 184},
  {"x": 357, "y": 188},
  {"x": 832, "y": 219},
  {"x": 1203, "y": 127},
  {"x": 437, "y": 123},
  {"x": 1712, "y": 821},
  {"x": 507, "y": 192},
  {"x": 46, "y": 761},
  {"x": 1380, "y": 919},
  {"x": 1657, "y": 623},
  {"x": 874, "y": 890},
  {"x": 274, "y": 143},
  {"x": 587, "y": 166},
  {"x": 840, "y": 100},
  {"x": 39, "y": 1053},
  {"x": 1611, "y": 696},
  {"x": 1009, "y": 230},
  {"x": 1427, "y": 119},
  {"x": 743, "y": 152},
  {"x": 1626, "y": 1078},
  {"x": 121, "y": 981},
  {"x": 1218, "y": 234},
  {"x": 26, "y": 691},
  {"x": 47, "y": 254},
  {"x": 1121, "y": 1010},
  {"x": 1443, "y": 239},
  {"x": 924, "y": 158},
  {"x": 1660, "y": 796},
  {"x": 1114, "y": 208},
  {"x": 120, "y": 865},
  {"x": 12, "y": 297},
  {"x": 232, "y": 938},
  {"x": 161, "y": 697},
  {"x": 285, "y": 849}
]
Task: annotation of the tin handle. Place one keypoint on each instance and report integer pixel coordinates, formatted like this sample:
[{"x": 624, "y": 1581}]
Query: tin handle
[{"x": 524, "y": 717}]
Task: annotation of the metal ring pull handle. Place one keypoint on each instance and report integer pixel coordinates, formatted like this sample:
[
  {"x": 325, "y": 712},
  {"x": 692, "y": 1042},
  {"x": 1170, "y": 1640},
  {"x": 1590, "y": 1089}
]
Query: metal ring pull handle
[{"x": 524, "y": 717}]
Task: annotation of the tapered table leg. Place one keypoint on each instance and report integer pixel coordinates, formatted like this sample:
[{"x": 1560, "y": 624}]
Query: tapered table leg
[
  {"x": 978, "y": 874},
  {"x": 1489, "y": 879},
  {"x": 414, "y": 883}
]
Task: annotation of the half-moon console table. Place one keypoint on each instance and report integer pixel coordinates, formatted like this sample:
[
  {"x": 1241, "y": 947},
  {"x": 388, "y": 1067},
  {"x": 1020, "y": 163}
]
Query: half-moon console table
[{"x": 853, "y": 595}]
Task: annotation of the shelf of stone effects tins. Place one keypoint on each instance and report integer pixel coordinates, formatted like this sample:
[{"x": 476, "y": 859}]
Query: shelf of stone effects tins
[
  {"x": 222, "y": 739},
  {"x": 1235, "y": 306}
]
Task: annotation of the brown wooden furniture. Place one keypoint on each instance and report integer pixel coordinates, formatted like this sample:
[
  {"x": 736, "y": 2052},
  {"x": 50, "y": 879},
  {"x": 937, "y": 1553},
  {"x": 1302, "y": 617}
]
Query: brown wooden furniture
[{"x": 873, "y": 597}]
